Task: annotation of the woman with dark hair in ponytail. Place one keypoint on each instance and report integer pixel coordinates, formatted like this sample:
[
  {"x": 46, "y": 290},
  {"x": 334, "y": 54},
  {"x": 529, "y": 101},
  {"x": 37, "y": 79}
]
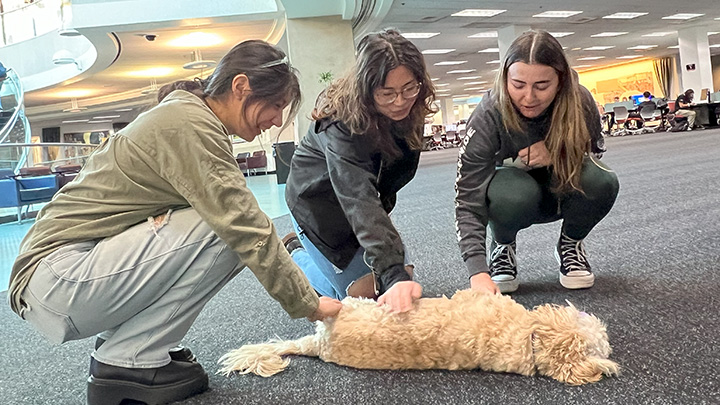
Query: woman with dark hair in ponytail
[
  {"x": 363, "y": 147},
  {"x": 531, "y": 155},
  {"x": 156, "y": 223}
]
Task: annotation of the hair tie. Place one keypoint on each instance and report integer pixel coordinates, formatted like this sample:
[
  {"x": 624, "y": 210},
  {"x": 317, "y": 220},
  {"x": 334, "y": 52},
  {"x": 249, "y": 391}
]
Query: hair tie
[{"x": 283, "y": 61}]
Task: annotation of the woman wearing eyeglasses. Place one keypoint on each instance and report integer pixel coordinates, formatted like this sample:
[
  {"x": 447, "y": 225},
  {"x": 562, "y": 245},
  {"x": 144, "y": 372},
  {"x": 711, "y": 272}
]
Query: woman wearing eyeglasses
[{"x": 363, "y": 147}]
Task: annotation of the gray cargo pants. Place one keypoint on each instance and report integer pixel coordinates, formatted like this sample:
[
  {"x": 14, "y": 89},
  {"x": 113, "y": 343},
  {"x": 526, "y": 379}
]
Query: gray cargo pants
[{"x": 141, "y": 290}]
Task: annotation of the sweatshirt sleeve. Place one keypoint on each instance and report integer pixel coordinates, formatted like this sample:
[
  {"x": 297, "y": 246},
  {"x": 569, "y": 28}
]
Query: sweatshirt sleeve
[
  {"x": 351, "y": 171},
  {"x": 593, "y": 122},
  {"x": 195, "y": 157},
  {"x": 476, "y": 167}
]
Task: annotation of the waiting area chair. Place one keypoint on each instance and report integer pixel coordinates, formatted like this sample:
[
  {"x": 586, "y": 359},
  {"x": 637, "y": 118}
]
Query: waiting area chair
[
  {"x": 257, "y": 161},
  {"x": 66, "y": 173},
  {"x": 241, "y": 160},
  {"x": 31, "y": 186}
]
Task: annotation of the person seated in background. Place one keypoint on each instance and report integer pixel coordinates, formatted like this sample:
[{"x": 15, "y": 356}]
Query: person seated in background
[
  {"x": 624, "y": 99},
  {"x": 532, "y": 157},
  {"x": 156, "y": 223},
  {"x": 616, "y": 99},
  {"x": 647, "y": 96},
  {"x": 682, "y": 107}
]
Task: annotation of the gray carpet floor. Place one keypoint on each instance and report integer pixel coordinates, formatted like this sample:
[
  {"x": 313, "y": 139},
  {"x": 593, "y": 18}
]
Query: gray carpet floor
[{"x": 656, "y": 259}]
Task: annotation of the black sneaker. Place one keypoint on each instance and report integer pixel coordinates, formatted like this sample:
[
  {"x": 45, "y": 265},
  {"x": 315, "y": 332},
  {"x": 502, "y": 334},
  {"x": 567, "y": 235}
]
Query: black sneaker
[
  {"x": 112, "y": 385},
  {"x": 575, "y": 270},
  {"x": 503, "y": 266},
  {"x": 177, "y": 353},
  {"x": 291, "y": 242}
]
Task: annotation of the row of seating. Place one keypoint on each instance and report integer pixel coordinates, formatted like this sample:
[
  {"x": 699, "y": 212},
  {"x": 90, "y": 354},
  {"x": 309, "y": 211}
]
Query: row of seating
[
  {"x": 33, "y": 185},
  {"x": 250, "y": 164}
]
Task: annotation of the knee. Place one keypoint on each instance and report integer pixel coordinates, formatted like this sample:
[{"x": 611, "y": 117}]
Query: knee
[
  {"x": 599, "y": 182},
  {"x": 512, "y": 192}
]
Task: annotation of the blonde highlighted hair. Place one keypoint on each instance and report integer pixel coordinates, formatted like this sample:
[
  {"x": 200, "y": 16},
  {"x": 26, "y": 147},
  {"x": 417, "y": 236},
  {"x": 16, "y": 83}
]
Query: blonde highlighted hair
[
  {"x": 568, "y": 139},
  {"x": 350, "y": 99}
]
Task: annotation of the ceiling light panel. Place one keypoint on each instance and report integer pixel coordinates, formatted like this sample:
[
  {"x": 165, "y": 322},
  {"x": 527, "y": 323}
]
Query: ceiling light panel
[
  {"x": 490, "y": 50},
  {"x": 420, "y": 35},
  {"x": 474, "y": 12},
  {"x": 196, "y": 40},
  {"x": 469, "y": 77},
  {"x": 591, "y": 58},
  {"x": 557, "y": 14},
  {"x": 625, "y": 16},
  {"x": 608, "y": 34},
  {"x": 642, "y": 47},
  {"x": 660, "y": 34},
  {"x": 452, "y": 72},
  {"x": 450, "y": 62},
  {"x": 682, "y": 16},
  {"x": 599, "y": 48},
  {"x": 486, "y": 34},
  {"x": 436, "y": 51},
  {"x": 561, "y": 34},
  {"x": 629, "y": 57}
]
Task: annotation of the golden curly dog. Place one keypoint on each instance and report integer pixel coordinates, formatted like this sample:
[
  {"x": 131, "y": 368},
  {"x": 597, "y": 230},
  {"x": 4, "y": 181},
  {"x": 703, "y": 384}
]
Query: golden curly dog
[{"x": 471, "y": 330}]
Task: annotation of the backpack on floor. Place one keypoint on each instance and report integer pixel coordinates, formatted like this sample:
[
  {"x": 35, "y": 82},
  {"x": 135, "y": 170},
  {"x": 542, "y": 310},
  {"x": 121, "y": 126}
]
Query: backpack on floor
[{"x": 679, "y": 126}]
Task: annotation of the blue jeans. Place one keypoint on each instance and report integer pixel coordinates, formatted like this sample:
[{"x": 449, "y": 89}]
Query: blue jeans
[{"x": 325, "y": 277}]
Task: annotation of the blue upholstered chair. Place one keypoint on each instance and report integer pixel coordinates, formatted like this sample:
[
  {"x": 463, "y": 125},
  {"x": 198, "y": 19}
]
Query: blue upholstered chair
[{"x": 34, "y": 185}]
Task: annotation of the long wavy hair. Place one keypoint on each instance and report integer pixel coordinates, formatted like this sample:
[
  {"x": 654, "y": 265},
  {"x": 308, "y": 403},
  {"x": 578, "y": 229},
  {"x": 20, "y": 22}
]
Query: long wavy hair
[
  {"x": 350, "y": 99},
  {"x": 568, "y": 139}
]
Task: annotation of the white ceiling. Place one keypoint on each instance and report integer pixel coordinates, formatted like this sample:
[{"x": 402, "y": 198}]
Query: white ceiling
[{"x": 135, "y": 52}]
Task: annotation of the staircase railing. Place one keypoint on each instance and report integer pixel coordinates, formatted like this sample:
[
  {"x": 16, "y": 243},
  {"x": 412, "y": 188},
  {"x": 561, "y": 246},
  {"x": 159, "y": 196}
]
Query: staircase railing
[{"x": 14, "y": 125}]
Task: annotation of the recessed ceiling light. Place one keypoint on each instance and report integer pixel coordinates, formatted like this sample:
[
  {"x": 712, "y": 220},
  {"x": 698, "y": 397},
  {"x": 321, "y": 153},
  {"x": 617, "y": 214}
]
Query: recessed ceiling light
[
  {"x": 123, "y": 109},
  {"x": 608, "y": 34},
  {"x": 576, "y": 49},
  {"x": 441, "y": 90},
  {"x": 452, "y": 72},
  {"x": 659, "y": 34},
  {"x": 474, "y": 12},
  {"x": 625, "y": 16},
  {"x": 435, "y": 78},
  {"x": 629, "y": 57},
  {"x": 99, "y": 121},
  {"x": 420, "y": 35},
  {"x": 674, "y": 47},
  {"x": 486, "y": 34},
  {"x": 436, "y": 51},
  {"x": 642, "y": 47},
  {"x": 474, "y": 88},
  {"x": 441, "y": 84},
  {"x": 557, "y": 14},
  {"x": 714, "y": 46},
  {"x": 490, "y": 50},
  {"x": 713, "y": 33},
  {"x": 581, "y": 66},
  {"x": 74, "y": 121},
  {"x": 682, "y": 16},
  {"x": 599, "y": 48},
  {"x": 561, "y": 34},
  {"x": 450, "y": 62},
  {"x": 591, "y": 58},
  {"x": 474, "y": 83},
  {"x": 106, "y": 117},
  {"x": 469, "y": 77},
  {"x": 493, "y": 61}
]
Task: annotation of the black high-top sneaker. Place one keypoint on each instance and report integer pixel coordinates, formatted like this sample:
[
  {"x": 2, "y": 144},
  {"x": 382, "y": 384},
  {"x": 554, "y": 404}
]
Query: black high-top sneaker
[
  {"x": 575, "y": 270},
  {"x": 503, "y": 266}
]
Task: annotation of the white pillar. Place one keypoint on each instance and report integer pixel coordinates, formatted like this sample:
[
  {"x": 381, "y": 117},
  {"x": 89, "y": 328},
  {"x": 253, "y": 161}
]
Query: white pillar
[
  {"x": 506, "y": 35},
  {"x": 310, "y": 42},
  {"x": 695, "y": 52},
  {"x": 446, "y": 109}
]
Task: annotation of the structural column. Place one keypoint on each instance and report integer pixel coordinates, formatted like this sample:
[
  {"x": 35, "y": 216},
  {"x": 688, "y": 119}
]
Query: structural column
[
  {"x": 318, "y": 47},
  {"x": 507, "y": 35},
  {"x": 446, "y": 109},
  {"x": 695, "y": 62}
]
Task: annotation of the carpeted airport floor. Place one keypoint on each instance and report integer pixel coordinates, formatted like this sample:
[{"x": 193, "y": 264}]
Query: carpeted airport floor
[{"x": 656, "y": 259}]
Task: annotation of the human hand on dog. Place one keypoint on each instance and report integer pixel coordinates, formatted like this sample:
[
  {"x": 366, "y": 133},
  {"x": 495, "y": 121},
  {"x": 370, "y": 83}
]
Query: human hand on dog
[
  {"x": 327, "y": 308},
  {"x": 483, "y": 283},
  {"x": 401, "y": 296}
]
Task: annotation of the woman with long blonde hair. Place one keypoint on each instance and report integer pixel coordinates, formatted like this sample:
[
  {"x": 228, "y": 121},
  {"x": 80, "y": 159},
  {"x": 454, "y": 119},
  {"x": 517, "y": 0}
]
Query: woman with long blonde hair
[
  {"x": 531, "y": 156},
  {"x": 363, "y": 147}
]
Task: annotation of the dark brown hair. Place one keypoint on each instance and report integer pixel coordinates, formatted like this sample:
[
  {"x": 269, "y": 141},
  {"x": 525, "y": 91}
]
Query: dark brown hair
[{"x": 350, "y": 99}]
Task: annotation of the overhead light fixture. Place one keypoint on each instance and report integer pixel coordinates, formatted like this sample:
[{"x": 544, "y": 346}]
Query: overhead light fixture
[
  {"x": 599, "y": 48},
  {"x": 493, "y": 61},
  {"x": 442, "y": 84},
  {"x": 64, "y": 57},
  {"x": 196, "y": 40},
  {"x": 198, "y": 62},
  {"x": 474, "y": 88},
  {"x": 490, "y": 50},
  {"x": 73, "y": 121},
  {"x": 452, "y": 72},
  {"x": 625, "y": 16},
  {"x": 591, "y": 58},
  {"x": 557, "y": 14},
  {"x": 659, "y": 34},
  {"x": 469, "y": 77},
  {"x": 682, "y": 16},
  {"x": 675, "y": 47},
  {"x": 629, "y": 57},
  {"x": 68, "y": 32},
  {"x": 420, "y": 35},
  {"x": 474, "y": 12},
  {"x": 642, "y": 47},
  {"x": 434, "y": 78},
  {"x": 450, "y": 62},
  {"x": 106, "y": 117},
  {"x": 486, "y": 34},
  {"x": 436, "y": 51},
  {"x": 99, "y": 121},
  {"x": 608, "y": 34},
  {"x": 581, "y": 66},
  {"x": 74, "y": 107},
  {"x": 714, "y": 46},
  {"x": 475, "y": 83},
  {"x": 561, "y": 34}
]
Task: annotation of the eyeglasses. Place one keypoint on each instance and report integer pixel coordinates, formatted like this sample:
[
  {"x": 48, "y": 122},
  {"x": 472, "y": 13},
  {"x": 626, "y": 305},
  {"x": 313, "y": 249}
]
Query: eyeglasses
[{"x": 388, "y": 96}]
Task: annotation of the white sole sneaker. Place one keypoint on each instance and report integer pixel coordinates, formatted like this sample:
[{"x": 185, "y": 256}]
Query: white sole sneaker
[
  {"x": 506, "y": 283},
  {"x": 575, "y": 280}
]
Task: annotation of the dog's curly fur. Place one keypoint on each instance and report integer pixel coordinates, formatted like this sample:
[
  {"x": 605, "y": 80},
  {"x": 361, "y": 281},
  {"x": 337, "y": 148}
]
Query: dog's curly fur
[{"x": 471, "y": 330}]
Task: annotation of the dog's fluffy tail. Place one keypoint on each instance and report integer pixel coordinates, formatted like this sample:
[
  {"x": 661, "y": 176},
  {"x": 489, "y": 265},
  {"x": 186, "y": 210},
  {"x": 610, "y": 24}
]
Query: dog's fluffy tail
[{"x": 266, "y": 359}]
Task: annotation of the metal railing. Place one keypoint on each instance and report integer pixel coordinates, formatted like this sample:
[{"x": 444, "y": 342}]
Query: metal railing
[
  {"x": 14, "y": 125},
  {"x": 50, "y": 154}
]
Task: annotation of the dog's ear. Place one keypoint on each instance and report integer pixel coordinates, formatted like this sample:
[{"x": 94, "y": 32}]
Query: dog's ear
[{"x": 565, "y": 349}]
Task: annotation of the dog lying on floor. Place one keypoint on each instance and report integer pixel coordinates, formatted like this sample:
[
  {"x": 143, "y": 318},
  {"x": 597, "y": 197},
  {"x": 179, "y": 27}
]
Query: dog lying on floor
[{"x": 471, "y": 330}]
